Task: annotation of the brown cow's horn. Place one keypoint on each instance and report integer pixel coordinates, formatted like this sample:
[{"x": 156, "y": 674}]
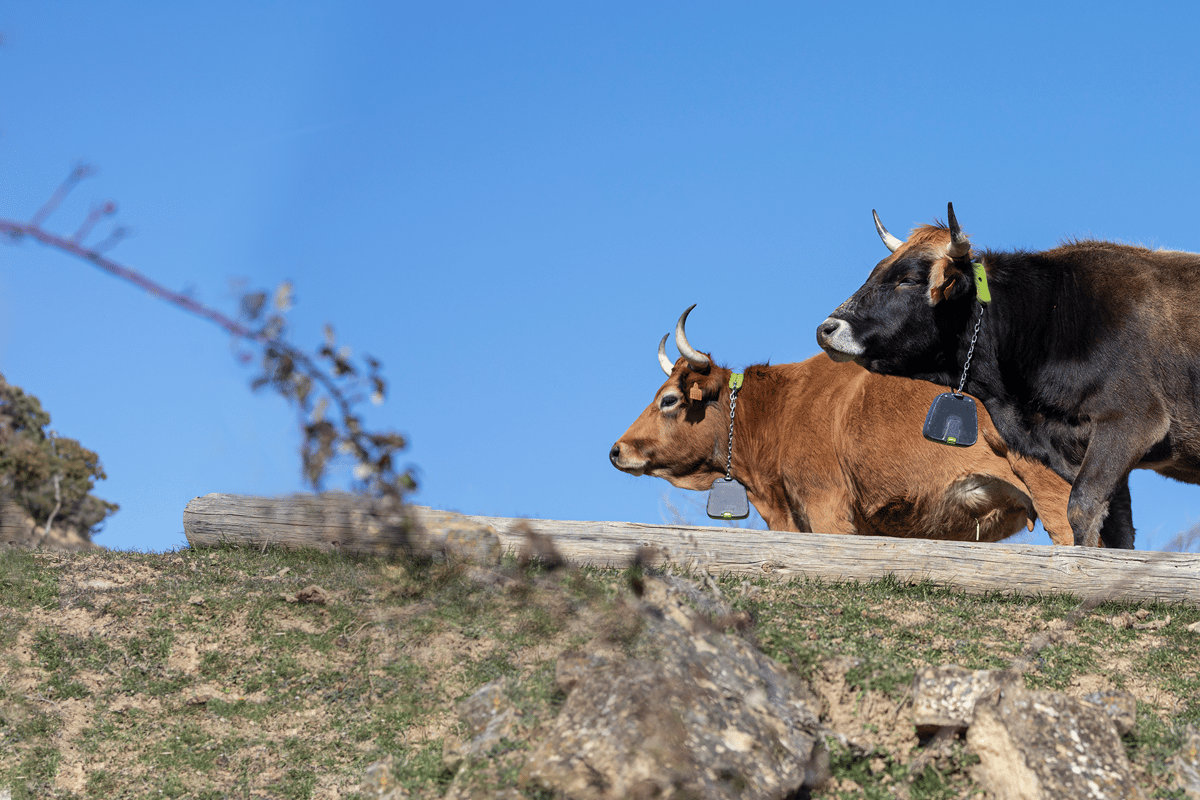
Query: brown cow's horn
[
  {"x": 697, "y": 360},
  {"x": 959, "y": 246},
  {"x": 892, "y": 242},
  {"x": 663, "y": 361}
]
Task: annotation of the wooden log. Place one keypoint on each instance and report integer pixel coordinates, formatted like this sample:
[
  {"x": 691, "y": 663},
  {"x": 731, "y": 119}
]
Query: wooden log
[
  {"x": 346, "y": 523},
  {"x": 331, "y": 521}
]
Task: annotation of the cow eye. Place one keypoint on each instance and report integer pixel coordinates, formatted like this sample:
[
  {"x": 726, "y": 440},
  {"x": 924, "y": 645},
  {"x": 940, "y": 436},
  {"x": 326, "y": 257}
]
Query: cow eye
[
  {"x": 668, "y": 401},
  {"x": 908, "y": 280}
]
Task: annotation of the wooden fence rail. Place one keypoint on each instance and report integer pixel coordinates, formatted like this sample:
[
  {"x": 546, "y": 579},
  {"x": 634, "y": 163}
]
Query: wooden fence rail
[{"x": 342, "y": 522}]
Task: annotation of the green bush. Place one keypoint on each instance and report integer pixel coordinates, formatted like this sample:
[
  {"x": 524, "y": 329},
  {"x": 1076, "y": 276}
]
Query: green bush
[{"x": 31, "y": 458}]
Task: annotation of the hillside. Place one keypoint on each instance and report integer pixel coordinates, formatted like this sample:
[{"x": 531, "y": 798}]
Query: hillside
[{"x": 232, "y": 672}]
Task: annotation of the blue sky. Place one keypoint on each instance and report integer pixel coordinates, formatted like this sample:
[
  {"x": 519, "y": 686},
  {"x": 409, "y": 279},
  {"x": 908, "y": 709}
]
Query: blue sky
[{"x": 508, "y": 204}]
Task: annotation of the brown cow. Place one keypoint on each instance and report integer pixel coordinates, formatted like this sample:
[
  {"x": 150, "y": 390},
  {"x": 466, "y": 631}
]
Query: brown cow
[{"x": 833, "y": 448}]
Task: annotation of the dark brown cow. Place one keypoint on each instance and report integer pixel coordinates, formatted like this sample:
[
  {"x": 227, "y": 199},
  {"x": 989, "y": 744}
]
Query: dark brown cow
[
  {"x": 833, "y": 448},
  {"x": 1087, "y": 358}
]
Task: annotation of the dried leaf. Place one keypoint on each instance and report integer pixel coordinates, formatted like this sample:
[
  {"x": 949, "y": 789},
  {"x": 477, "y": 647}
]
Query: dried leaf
[
  {"x": 252, "y": 304},
  {"x": 283, "y": 296},
  {"x": 317, "y": 417}
]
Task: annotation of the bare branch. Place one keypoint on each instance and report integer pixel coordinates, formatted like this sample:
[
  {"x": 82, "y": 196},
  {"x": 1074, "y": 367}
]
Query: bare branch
[
  {"x": 57, "y": 491},
  {"x": 118, "y": 234},
  {"x": 1184, "y": 542},
  {"x": 93, "y": 217},
  {"x": 17, "y": 230},
  {"x": 80, "y": 172},
  {"x": 311, "y": 383}
]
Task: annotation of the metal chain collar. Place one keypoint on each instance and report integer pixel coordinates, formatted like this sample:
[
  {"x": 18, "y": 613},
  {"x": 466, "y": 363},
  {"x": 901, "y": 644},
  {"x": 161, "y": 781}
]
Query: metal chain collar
[
  {"x": 984, "y": 296},
  {"x": 970, "y": 352},
  {"x": 735, "y": 383}
]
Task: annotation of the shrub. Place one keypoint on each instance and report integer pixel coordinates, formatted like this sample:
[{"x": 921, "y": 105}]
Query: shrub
[{"x": 47, "y": 475}]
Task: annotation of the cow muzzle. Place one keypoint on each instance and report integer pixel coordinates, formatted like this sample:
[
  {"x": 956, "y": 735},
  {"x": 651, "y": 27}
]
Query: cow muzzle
[
  {"x": 837, "y": 339},
  {"x": 624, "y": 460}
]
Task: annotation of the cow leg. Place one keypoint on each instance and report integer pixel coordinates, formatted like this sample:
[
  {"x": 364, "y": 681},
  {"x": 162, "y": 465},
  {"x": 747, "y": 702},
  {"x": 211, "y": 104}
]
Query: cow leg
[
  {"x": 1046, "y": 489},
  {"x": 1101, "y": 488},
  {"x": 831, "y": 515},
  {"x": 819, "y": 506},
  {"x": 1117, "y": 530},
  {"x": 776, "y": 517}
]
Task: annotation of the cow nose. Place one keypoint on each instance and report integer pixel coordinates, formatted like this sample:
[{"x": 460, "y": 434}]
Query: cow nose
[
  {"x": 827, "y": 328},
  {"x": 615, "y": 453}
]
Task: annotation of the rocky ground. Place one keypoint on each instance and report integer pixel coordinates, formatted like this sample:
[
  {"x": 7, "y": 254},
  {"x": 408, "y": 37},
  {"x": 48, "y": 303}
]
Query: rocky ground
[{"x": 237, "y": 672}]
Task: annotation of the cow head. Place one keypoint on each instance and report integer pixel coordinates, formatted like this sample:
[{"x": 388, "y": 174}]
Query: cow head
[
  {"x": 681, "y": 435},
  {"x": 907, "y": 317}
]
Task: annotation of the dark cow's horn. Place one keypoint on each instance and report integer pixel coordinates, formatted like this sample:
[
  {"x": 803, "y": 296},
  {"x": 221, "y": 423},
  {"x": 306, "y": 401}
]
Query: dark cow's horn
[
  {"x": 892, "y": 242},
  {"x": 663, "y": 361},
  {"x": 696, "y": 359},
  {"x": 959, "y": 246}
]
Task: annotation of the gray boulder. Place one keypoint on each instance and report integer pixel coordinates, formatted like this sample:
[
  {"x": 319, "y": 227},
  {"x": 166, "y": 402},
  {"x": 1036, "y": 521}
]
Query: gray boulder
[
  {"x": 695, "y": 713},
  {"x": 1041, "y": 745}
]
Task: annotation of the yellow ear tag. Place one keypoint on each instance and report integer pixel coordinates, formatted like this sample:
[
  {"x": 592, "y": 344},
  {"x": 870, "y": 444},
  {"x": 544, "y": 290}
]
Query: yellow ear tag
[
  {"x": 696, "y": 393},
  {"x": 981, "y": 285}
]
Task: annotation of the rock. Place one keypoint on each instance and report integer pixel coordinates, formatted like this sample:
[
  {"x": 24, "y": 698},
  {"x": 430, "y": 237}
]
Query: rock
[
  {"x": 379, "y": 783},
  {"x": 1153, "y": 625},
  {"x": 1186, "y": 764},
  {"x": 945, "y": 696},
  {"x": 1040, "y": 745},
  {"x": 313, "y": 594},
  {"x": 488, "y": 717},
  {"x": 1121, "y": 621},
  {"x": 202, "y": 694},
  {"x": 100, "y": 584},
  {"x": 703, "y": 715},
  {"x": 309, "y": 594},
  {"x": 1121, "y": 708},
  {"x": 489, "y": 577}
]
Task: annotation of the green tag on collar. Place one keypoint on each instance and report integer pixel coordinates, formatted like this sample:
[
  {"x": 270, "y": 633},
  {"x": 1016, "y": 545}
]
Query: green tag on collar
[
  {"x": 735, "y": 380},
  {"x": 981, "y": 284}
]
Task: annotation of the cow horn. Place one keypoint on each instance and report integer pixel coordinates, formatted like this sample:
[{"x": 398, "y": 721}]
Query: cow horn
[
  {"x": 697, "y": 360},
  {"x": 892, "y": 242},
  {"x": 663, "y": 361},
  {"x": 959, "y": 246}
]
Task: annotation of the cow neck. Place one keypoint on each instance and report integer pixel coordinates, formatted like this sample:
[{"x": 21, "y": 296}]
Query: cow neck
[
  {"x": 735, "y": 385},
  {"x": 970, "y": 349},
  {"x": 983, "y": 296},
  {"x": 1053, "y": 314},
  {"x": 952, "y": 419}
]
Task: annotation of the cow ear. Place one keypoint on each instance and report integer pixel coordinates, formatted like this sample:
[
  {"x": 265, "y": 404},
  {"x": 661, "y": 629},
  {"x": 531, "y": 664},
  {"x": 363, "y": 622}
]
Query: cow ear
[
  {"x": 702, "y": 387},
  {"x": 946, "y": 281}
]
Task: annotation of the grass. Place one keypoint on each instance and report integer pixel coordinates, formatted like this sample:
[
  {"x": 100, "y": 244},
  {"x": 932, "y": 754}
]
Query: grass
[{"x": 195, "y": 674}]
